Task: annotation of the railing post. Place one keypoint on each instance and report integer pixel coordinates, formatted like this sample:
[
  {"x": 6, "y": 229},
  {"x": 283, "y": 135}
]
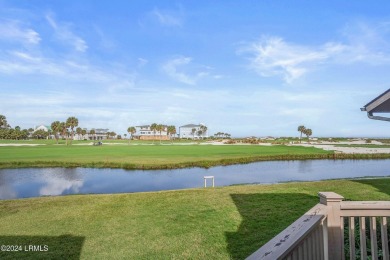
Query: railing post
[{"x": 335, "y": 224}]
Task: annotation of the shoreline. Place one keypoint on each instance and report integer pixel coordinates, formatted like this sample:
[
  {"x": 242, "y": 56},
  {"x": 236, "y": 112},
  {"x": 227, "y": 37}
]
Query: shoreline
[{"x": 200, "y": 164}]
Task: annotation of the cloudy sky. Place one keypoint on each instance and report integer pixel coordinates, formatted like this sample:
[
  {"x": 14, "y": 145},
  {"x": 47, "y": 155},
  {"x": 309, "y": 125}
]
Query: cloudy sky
[{"x": 243, "y": 67}]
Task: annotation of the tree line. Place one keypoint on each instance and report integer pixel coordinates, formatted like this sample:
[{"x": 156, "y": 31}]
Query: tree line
[
  {"x": 7, "y": 132},
  {"x": 222, "y": 134}
]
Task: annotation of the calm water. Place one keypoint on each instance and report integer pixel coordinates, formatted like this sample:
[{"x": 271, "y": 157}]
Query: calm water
[{"x": 33, "y": 182}]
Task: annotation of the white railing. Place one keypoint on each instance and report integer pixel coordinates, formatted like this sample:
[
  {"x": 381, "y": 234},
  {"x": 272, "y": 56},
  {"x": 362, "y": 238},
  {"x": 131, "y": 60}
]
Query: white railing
[{"x": 319, "y": 233}]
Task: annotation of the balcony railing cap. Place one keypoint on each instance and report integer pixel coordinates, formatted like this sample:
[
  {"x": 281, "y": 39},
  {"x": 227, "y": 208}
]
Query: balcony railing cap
[{"x": 329, "y": 197}]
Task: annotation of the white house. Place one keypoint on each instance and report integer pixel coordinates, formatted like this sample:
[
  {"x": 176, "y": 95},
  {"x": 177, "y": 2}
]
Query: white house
[
  {"x": 144, "y": 132},
  {"x": 192, "y": 131},
  {"x": 100, "y": 134},
  {"x": 45, "y": 128}
]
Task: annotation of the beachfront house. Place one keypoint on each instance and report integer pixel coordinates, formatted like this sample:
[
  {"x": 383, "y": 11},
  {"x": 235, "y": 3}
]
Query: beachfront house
[
  {"x": 143, "y": 132},
  {"x": 100, "y": 134},
  {"x": 193, "y": 131}
]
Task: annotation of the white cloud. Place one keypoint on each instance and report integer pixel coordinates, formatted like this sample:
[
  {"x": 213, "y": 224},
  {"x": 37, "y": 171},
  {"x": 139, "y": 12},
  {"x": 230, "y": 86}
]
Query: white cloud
[
  {"x": 273, "y": 56},
  {"x": 174, "y": 69},
  {"x": 24, "y": 63},
  {"x": 16, "y": 31},
  {"x": 142, "y": 62},
  {"x": 25, "y": 56},
  {"x": 166, "y": 19},
  {"x": 57, "y": 185},
  {"x": 66, "y": 36},
  {"x": 171, "y": 68}
]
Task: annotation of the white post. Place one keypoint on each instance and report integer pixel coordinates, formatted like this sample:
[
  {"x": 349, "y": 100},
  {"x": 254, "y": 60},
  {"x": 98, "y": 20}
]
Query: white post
[
  {"x": 205, "y": 180},
  {"x": 335, "y": 224}
]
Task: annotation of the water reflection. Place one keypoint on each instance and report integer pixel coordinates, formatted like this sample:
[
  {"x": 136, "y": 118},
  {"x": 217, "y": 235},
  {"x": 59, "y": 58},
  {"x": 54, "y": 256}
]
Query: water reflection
[
  {"x": 6, "y": 191},
  {"x": 34, "y": 182},
  {"x": 55, "y": 185},
  {"x": 305, "y": 166}
]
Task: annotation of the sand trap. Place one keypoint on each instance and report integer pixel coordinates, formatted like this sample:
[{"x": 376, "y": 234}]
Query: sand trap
[
  {"x": 349, "y": 150},
  {"x": 20, "y": 144}
]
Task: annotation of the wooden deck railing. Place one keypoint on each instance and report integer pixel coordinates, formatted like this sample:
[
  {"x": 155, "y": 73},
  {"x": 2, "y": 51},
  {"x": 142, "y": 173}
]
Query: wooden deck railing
[{"x": 319, "y": 233}]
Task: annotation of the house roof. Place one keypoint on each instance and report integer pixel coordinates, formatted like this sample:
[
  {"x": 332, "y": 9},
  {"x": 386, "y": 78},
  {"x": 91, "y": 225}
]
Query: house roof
[
  {"x": 147, "y": 126},
  {"x": 46, "y": 126},
  {"x": 380, "y": 104},
  {"x": 190, "y": 125}
]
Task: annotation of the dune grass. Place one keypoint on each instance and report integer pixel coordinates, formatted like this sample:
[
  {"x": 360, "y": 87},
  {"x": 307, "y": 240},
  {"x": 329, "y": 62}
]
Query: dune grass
[
  {"x": 213, "y": 223},
  {"x": 149, "y": 156}
]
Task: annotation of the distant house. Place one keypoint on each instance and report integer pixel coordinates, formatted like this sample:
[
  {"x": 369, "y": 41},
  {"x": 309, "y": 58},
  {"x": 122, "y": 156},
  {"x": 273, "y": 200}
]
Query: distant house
[
  {"x": 45, "y": 128},
  {"x": 186, "y": 131},
  {"x": 100, "y": 134},
  {"x": 144, "y": 132}
]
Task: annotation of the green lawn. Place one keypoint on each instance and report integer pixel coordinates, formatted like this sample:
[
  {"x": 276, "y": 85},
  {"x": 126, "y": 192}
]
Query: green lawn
[
  {"x": 148, "y": 156},
  {"x": 117, "y": 141},
  {"x": 213, "y": 223}
]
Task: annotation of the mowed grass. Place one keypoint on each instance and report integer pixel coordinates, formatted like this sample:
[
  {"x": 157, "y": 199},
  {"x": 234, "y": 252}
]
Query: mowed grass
[
  {"x": 147, "y": 156},
  {"x": 116, "y": 141},
  {"x": 213, "y": 223}
]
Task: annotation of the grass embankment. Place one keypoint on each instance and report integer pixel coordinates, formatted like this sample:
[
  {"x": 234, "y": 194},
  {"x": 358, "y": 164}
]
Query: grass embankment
[
  {"x": 220, "y": 223},
  {"x": 150, "y": 156},
  {"x": 159, "y": 156}
]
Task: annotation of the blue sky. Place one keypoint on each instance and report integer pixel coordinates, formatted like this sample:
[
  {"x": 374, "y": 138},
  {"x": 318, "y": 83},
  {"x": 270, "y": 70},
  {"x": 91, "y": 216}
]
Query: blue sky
[{"x": 247, "y": 68}]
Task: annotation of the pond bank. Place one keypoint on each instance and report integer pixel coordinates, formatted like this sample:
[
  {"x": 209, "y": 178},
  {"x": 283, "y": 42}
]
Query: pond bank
[
  {"x": 202, "y": 164},
  {"x": 35, "y": 182}
]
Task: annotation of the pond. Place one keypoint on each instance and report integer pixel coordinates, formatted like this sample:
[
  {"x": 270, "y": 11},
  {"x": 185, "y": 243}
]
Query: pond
[{"x": 35, "y": 182}]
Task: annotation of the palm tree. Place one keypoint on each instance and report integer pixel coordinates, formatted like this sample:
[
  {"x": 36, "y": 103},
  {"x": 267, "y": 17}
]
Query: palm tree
[
  {"x": 204, "y": 130},
  {"x": 160, "y": 128},
  {"x": 79, "y": 132},
  {"x": 3, "y": 121},
  {"x": 83, "y": 132},
  {"x": 56, "y": 127},
  {"x": 301, "y": 129},
  {"x": 193, "y": 131},
  {"x": 131, "y": 130},
  {"x": 308, "y": 132},
  {"x": 92, "y": 132},
  {"x": 153, "y": 127},
  {"x": 63, "y": 131},
  {"x": 72, "y": 122},
  {"x": 112, "y": 134},
  {"x": 199, "y": 133},
  {"x": 171, "y": 130}
]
